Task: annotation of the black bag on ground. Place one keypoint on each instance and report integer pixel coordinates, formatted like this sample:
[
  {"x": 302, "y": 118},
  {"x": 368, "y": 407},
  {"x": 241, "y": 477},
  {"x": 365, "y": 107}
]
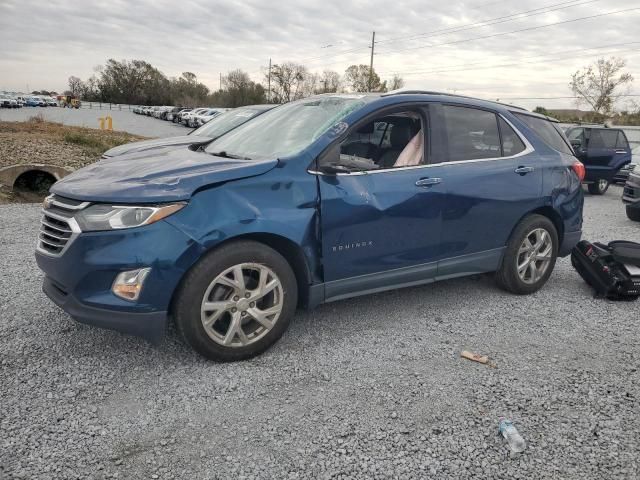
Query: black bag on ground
[{"x": 612, "y": 270}]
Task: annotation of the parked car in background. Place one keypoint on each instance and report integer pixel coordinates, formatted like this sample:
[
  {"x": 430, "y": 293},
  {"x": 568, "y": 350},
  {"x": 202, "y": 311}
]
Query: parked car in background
[
  {"x": 8, "y": 102},
  {"x": 203, "y": 117},
  {"x": 32, "y": 102},
  {"x": 51, "y": 102},
  {"x": 603, "y": 151},
  {"x": 171, "y": 114},
  {"x": 631, "y": 196},
  {"x": 623, "y": 173},
  {"x": 287, "y": 211},
  {"x": 177, "y": 118},
  {"x": 186, "y": 118},
  {"x": 223, "y": 123}
]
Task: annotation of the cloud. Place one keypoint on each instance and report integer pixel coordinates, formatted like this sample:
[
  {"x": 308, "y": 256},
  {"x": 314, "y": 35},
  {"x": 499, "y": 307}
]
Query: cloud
[{"x": 44, "y": 43}]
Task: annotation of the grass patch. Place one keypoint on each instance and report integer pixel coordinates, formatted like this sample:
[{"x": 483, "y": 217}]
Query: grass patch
[
  {"x": 96, "y": 142},
  {"x": 36, "y": 118}
]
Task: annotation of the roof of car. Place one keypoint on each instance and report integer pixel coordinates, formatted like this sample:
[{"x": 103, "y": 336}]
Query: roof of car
[{"x": 444, "y": 96}]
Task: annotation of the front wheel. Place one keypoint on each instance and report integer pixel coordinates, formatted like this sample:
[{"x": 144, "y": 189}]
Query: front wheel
[
  {"x": 633, "y": 213},
  {"x": 530, "y": 256},
  {"x": 237, "y": 301},
  {"x": 598, "y": 187}
]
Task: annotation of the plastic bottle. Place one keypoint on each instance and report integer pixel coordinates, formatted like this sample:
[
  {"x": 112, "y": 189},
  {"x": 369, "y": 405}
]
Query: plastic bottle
[{"x": 511, "y": 435}]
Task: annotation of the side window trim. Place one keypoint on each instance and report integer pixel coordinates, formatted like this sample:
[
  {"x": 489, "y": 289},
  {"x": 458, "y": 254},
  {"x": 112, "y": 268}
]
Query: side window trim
[{"x": 500, "y": 135}]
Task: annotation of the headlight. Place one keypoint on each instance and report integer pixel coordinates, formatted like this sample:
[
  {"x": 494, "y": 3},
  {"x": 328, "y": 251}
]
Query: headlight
[{"x": 116, "y": 217}]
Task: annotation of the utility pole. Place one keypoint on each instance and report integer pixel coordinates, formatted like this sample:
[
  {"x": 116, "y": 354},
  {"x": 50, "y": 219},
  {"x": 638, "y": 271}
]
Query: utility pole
[
  {"x": 269, "y": 83},
  {"x": 373, "y": 44},
  {"x": 220, "y": 80}
]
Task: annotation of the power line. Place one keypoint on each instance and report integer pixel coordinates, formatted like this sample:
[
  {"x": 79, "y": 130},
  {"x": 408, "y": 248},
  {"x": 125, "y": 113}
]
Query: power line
[
  {"x": 470, "y": 66},
  {"x": 537, "y": 27},
  {"x": 562, "y": 98},
  {"x": 493, "y": 21},
  {"x": 486, "y": 22}
]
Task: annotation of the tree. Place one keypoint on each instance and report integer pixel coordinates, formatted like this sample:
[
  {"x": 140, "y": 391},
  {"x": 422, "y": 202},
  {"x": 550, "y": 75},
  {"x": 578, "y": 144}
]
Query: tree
[
  {"x": 362, "y": 79},
  {"x": 239, "y": 90},
  {"x": 287, "y": 81},
  {"x": 134, "y": 81},
  {"x": 186, "y": 90},
  {"x": 542, "y": 111},
  {"x": 396, "y": 82},
  {"x": 75, "y": 85},
  {"x": 597, "y": 84},
  {"x": 329, "y": 82}
]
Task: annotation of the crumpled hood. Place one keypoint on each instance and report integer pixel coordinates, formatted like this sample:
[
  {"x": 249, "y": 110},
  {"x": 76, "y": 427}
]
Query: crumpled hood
[
  {"x": 155, "y": 143},
  {"x": 158, "y": 175}
]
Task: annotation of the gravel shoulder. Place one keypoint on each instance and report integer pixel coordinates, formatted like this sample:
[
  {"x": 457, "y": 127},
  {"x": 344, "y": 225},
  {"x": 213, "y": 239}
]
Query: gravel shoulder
[{"x": 371, "y": 387}]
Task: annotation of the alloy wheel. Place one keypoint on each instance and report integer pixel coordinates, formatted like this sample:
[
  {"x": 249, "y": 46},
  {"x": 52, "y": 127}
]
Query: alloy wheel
[
  {"x": 534, "y": 255},
  {"x": 242, "y": 304},
  {"x": 602, "y": 184}
]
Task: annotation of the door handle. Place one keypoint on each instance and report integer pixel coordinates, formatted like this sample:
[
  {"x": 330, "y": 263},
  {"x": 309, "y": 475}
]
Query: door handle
[
  {"x": 428, "y": 182},
  {"x": 524, "y": 170},
  {"x": 621, "y": 151}
]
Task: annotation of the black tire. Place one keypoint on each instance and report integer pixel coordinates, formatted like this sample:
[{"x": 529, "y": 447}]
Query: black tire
[
  {"x": 507, "y": 276},
  {"x": 596, "y": 188},
  {"x": 191, "y": 292},
  {"x": 633, "y": 213}
]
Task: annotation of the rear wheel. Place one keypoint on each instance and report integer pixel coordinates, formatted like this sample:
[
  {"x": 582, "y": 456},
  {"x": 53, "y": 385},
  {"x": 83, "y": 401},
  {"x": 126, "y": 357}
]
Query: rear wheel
[
  {"x": 530, "y": 256},
  {"x": 598, "y": 187},
  {"x": 633, "y": 213},
  {"x": 237, "y": 301}
]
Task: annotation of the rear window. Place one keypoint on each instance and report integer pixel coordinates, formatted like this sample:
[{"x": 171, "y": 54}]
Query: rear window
[
  {"x": 622, "y": 140},
  {"x": 601, "y": 138},
  {"x": 511, "y": 143},
  {"x": 547, "y": 132}
]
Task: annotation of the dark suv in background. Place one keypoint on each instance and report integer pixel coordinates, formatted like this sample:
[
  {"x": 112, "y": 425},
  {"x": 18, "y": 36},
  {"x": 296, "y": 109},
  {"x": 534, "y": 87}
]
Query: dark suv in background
[{"x": 603, "y": 151}]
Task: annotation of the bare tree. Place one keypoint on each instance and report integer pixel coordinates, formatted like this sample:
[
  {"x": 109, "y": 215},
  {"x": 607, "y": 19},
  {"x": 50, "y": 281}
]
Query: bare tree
[
  {"x": 75, "y": 85},
  {"x": 597, "y": 84},
  {"x": 359, "y": 79},
  {"x": 287, "y": 81},
  {"x": 329, "y": 82},
  {"x": 396, "y": 82}
]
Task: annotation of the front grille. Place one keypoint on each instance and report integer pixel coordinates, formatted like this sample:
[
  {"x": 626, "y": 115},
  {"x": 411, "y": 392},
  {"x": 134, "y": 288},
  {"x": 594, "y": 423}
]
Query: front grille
[{"x": 58, "y": 228}]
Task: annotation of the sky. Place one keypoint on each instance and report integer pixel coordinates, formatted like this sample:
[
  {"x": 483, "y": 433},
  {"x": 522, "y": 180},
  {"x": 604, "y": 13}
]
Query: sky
[{"x": 508, "y": 49}]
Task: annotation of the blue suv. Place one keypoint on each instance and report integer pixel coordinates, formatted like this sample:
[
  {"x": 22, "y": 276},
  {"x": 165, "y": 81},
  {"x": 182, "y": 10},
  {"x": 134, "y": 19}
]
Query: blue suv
[{"x": 317, "y": 200}]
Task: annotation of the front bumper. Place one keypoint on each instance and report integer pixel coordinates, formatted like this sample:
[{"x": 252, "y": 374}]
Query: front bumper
[
  {"x": 631, "y": 192},
  {"x": 80, "y": 280},
  {"x": 148, "y": 325}
]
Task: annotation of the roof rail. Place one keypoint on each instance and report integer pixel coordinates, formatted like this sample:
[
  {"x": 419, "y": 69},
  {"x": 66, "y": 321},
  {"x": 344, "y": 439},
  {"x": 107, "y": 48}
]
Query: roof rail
[{"x": 429, "y": 92}]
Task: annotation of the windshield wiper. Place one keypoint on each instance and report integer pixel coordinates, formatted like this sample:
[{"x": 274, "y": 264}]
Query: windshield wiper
[{"x": 224, "y": 154}]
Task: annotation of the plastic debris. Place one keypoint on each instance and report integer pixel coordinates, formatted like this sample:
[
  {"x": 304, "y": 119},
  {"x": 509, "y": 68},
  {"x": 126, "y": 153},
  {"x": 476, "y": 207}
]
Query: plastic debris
[{"x": 510, "y": 433}]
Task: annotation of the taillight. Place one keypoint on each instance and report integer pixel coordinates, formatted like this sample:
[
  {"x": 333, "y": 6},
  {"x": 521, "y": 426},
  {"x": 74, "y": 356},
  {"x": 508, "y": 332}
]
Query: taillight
[{"x": 578, "y": 167}]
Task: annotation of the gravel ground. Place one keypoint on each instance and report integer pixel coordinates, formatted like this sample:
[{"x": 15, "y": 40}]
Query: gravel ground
[
  {"x": 122, "y": 120},
  {"x": 371, "y": 387}
]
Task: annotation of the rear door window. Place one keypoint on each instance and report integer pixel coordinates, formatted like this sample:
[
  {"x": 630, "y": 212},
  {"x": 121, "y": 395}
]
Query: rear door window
[
  {"x": 471, "y": 133},
  {"x": 601, "y": 138},
  {"x": 547, "y": 132}
]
